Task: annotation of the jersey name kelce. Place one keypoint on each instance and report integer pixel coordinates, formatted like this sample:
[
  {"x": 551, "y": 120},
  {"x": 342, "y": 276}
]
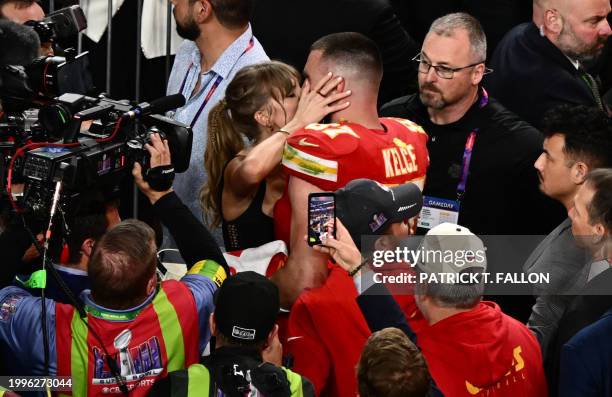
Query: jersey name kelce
[{"x": 331, "y": 155}]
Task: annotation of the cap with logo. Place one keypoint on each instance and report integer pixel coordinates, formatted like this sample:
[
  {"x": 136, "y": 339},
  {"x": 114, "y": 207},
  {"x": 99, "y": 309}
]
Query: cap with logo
[
  {"x": 450, "y": 248},
  {"x": 366, "y": 207},
  {"x": 246, "y": 307}
]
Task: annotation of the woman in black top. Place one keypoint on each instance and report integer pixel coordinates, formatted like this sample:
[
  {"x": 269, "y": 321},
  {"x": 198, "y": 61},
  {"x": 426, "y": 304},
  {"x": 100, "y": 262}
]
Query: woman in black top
[{"x": 263, "y": 105}]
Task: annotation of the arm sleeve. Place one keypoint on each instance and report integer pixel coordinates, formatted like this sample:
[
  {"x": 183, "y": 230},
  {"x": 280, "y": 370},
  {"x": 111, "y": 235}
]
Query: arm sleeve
[
  {"x": 193, "y": 240},
  {"x": 310, "y": 358},
  {"x": 544, "y": 319},
  {"x": 13, "y": 244},
  {"x": 202, "y": 289},
  {"x": 382, "y": 311},
  {"x": 576, "y": 379},
  {"x": 21, "y": 332},
  {"x": 315, "y": 154}
]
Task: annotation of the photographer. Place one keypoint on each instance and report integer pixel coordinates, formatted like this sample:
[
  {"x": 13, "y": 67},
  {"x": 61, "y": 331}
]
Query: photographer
[
  {"x": 22, "y": 11},
  {"x": 152, "y": 326},
  {"x": 326, "y": 331},
  {"x": 70, "y": 251},
  {"x": 460, "y": 326}
]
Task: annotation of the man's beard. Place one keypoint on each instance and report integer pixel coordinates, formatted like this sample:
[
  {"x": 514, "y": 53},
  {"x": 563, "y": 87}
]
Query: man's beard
[
  {"x": 576, "y": 49},
  {"x": 432, "y": 101},
  {"x": 189, "y": 30}
]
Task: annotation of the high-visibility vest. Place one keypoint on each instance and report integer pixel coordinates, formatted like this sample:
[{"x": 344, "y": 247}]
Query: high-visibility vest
[
  {"x": 146, "y": 344},
  {"x": 195, "y": 382}
]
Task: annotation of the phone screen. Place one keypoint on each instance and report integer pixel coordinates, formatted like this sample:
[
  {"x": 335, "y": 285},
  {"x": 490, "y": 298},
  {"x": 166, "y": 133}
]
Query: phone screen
[{"x": 321, "y": 217}]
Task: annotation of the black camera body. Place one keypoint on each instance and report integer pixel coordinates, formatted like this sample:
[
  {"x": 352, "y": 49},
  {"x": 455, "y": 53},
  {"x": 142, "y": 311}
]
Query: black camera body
[
  {"x": 60, "y": 25},
  {"x": 101, "y": 156},
  {"x": 45, "y": 103}
]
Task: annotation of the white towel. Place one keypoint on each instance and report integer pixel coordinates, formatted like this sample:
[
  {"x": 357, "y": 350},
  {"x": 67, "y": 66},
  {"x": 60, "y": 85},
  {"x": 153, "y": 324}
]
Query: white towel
[
  {"x": 96, "y": 12},
  {"x": 153, "y": 27}
]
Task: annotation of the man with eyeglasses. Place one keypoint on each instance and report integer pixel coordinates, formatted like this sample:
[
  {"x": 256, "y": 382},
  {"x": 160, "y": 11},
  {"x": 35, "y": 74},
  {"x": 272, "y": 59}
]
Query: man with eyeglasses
[
  {"x": 481, "y": 174},
  {"x": 544, "y": 63}
]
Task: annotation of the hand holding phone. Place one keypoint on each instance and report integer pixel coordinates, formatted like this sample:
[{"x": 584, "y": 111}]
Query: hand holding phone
[{"x": 321, "y": 217}]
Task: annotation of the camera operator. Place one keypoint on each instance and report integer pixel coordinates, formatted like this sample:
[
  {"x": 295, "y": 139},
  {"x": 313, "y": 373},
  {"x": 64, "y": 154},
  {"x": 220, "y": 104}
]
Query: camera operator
[
  {"x": 18, "y": 47},
  {"x": 151, "y": 326},
  {"x": 248, "y": 352},
  {"x": 93, "y": 216},
  {"x": 22, "y": 11}
]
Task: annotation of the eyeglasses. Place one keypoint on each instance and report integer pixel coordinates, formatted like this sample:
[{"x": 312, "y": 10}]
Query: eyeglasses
[{"x": 443, "y": 71}]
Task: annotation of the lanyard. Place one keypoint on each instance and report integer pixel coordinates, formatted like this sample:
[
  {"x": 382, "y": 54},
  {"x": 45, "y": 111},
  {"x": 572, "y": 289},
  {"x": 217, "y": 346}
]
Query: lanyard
[
  {"x": 465, "y": 165},
  {"x": 467, "y": 151},
  {"x": 215, "y": 84},
  {"x": 112, "y": 316},
  {"x": 120, "y": 315}
]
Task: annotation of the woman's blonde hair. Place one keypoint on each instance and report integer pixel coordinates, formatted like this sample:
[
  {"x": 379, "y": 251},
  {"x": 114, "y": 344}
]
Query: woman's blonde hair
[{"x": 233, "y": 119}]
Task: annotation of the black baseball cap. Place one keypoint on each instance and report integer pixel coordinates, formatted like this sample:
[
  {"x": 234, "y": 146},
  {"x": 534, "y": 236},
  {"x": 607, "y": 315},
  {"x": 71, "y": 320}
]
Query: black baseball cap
[
  {"x": 366, "y": 207},
  {"x": 247, "y": 305}
]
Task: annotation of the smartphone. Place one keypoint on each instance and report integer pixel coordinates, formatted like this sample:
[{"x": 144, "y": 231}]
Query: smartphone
[{"x": 321, "y": 217}]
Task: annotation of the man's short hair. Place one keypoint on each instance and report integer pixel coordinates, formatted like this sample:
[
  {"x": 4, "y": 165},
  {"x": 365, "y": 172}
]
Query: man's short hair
[
  {"x": 122, "y": 262},
  {"x": 587, "y": 132},
  {"x": 600, "y": 208},
  {"x": 18, "y": 4},
  {"x": 448, "y": 24},
  {"x": 87, "y": 220},
  {"x": 232, "y": 13},
  {"x": 392, "y": 366},
  {"x": 456, "y": 296},
  {"x": 352, "y": 50}
]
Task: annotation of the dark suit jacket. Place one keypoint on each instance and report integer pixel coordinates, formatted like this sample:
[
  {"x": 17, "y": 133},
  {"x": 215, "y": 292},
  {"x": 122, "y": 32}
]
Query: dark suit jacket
[
  {"x": 567, "y": 264},
  {"x": 531, "y": 75},
  {"x": 584, "y": 310},
  {"x": 287, "y": 29},
  {"x": 586, "y": 361}
]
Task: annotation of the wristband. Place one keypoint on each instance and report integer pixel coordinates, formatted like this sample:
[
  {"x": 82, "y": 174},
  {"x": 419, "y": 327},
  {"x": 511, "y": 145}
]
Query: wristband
[
  {"x": 211, "y": 270},
  {"x": 284, "y": 132},
  {"x": 357, "y": 268},
  {"x": 160, "y": 178}
]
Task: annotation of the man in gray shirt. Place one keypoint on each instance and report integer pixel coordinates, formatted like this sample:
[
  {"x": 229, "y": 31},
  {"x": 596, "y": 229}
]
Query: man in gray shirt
[
  {"x": 218, "y": 43},
  {"x": 577, "y": 140}
]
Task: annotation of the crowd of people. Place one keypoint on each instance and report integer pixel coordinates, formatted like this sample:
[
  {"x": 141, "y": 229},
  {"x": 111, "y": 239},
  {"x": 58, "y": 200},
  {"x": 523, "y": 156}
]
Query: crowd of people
[{"x": 520, "y": 145}]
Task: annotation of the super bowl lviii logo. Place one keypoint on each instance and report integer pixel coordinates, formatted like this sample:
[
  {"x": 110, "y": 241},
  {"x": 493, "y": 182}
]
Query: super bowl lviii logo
[{"x": 134, "y": 362}]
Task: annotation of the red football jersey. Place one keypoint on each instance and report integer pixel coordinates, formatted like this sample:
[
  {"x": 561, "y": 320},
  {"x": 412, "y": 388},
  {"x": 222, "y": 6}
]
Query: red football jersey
[{"x": 331, "y": 155}]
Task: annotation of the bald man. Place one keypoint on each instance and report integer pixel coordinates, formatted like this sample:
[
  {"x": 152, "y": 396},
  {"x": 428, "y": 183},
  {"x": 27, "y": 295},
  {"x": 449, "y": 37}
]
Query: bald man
[
  {"x": 21, "y": 11},
  {"x": 356, "y": 144},
  {"x": 543, "y": 63}
]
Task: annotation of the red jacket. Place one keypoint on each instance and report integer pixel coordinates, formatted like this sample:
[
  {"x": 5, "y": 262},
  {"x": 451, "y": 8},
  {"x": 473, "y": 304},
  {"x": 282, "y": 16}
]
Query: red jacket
[
  {"x": 326, "y": 335},
  {"x": 483, "y": 352}
]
